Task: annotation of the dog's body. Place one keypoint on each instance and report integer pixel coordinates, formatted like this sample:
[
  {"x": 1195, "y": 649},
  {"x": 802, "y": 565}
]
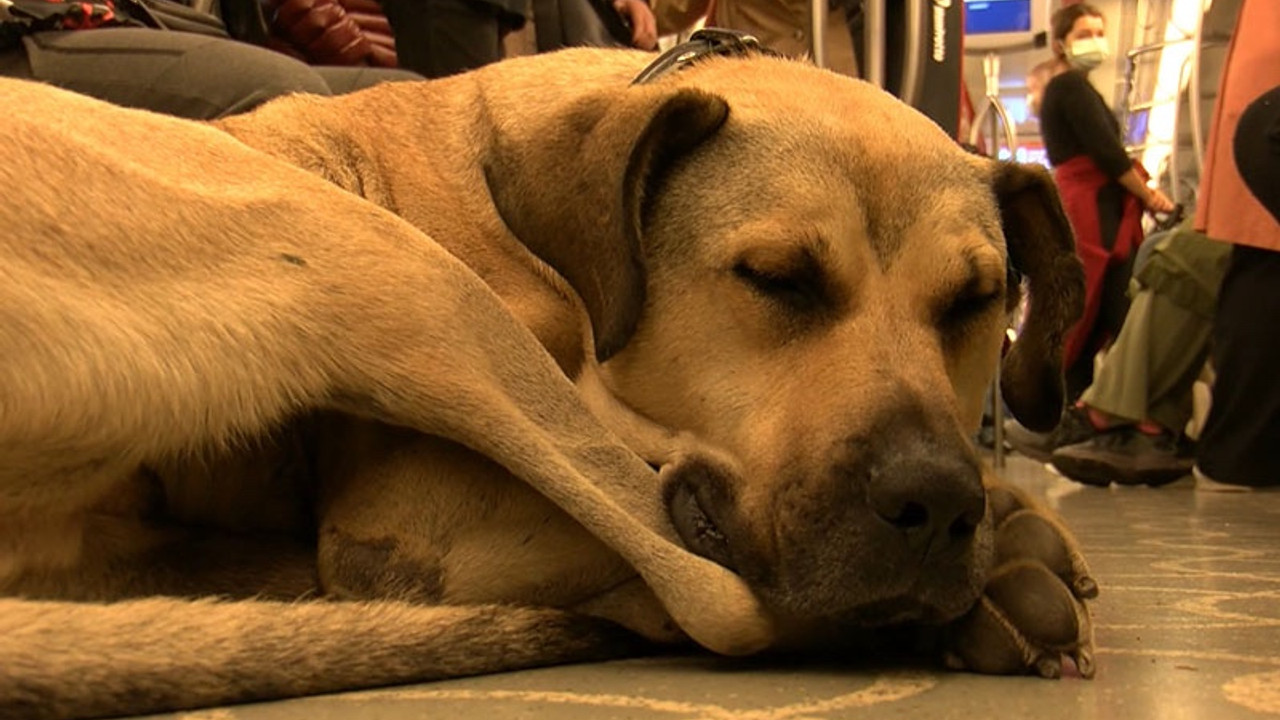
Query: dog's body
[{"x": 221, "y": 375}]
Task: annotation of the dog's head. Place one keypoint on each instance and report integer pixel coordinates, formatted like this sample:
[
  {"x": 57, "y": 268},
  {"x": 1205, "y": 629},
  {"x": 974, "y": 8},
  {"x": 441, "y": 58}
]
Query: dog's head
[{"x": 813, "y": 278}]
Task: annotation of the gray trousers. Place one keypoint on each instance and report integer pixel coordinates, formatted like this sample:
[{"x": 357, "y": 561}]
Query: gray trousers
[{"x": 190, "y": 75}]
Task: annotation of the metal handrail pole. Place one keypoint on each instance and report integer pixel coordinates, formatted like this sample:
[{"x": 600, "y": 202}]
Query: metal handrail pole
[
  {"x": 999, "y": 116},
  {"x": 1010, "y": 138},
  {"x": 873, "y": 42},
  {"x": 1193, "y": 92},
  {"x": 975, "y": 130},
  {"x": 1155, "y": 47},
  {"x": 914, "y": 31},
  {"x": 997, "y": 405},
  {"x": 1175, "y": 177},
  {"x": 819, "y": 12},
  {"x": 997, "y": 421}
]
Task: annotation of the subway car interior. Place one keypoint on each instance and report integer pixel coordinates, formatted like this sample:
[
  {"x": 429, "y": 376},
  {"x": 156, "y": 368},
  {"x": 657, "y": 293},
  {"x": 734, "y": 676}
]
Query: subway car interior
[{"x": 1148, "y": 129}]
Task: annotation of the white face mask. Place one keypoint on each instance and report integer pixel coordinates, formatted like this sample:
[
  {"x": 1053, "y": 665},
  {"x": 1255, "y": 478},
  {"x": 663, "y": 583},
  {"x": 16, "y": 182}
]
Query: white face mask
[{"x": 1088, "y": 53}]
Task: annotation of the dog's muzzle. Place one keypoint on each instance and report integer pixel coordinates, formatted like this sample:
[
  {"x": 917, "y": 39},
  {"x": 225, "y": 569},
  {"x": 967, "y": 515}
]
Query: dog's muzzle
[
  {"x": 888, "y": 529},
  {"x": 690, "y": 496}
]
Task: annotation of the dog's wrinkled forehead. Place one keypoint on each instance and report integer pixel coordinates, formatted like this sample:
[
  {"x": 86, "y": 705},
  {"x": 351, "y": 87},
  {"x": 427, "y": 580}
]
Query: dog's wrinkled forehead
[{"x": 793, "y": 126}]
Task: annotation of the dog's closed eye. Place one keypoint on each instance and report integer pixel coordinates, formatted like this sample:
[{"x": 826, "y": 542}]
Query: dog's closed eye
[
  {"x": 979, "y": 291},
  {"x": 963, "y": 309},
  {"x": 795, "y": 281}
]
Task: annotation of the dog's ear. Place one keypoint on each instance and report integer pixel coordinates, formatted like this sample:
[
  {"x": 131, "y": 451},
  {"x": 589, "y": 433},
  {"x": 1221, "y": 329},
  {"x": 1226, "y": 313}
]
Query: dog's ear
[
  {"x": 1041, "y": 247},
  {"x": 575, "y": 200}
]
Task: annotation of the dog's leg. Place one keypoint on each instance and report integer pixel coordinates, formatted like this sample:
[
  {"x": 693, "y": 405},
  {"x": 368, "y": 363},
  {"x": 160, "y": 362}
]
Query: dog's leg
[
  {"x": 281, "y": 649},
  {"x": 231, "y": 295},
  {"x": 421, "y": 518},
  {"x": 369, "y": 317},
  {"x": 487, "y": 538},
  {"x": 455, "y": 364},
  {"x": 1032, "y": 611}
]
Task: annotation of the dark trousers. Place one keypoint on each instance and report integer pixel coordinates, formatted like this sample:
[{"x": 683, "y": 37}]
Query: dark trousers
[
  {"x": 189, "y": 75},
  {"x": 438, "y": 38},
  {"x": 1240, "y": 443}
]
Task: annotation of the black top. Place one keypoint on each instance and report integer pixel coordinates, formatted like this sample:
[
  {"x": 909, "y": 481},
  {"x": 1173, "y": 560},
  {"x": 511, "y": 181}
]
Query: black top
[{"x": 1075, "y": 120}]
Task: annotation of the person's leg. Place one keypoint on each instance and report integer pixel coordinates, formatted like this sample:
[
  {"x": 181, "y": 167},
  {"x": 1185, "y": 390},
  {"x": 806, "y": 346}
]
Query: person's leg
[
  {"x": 437, "y": 38},
  {"x": 343, "y": 80},
  {"x": 1238, "y": 445},
  {"x": 1120, "y": 387},
  {"x": 1148, "y": 373},
  {"x": 1079, "y": 376},
  {"x": 1141, "y": 398},
  {"x": 1175, "y": 372},
  {"x": 185, "y": 74}
]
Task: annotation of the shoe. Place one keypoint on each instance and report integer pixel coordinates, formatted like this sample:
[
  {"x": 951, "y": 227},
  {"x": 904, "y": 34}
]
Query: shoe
[
  {"x": 1204, "y": 483},
  {"x": 1125, "y": 456},
  {"x": 1074, "y": 427}
]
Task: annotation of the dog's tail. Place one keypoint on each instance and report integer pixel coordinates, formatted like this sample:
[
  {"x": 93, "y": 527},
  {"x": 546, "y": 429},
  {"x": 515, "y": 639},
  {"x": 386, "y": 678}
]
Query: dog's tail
[{"x": 73, "y": 660}]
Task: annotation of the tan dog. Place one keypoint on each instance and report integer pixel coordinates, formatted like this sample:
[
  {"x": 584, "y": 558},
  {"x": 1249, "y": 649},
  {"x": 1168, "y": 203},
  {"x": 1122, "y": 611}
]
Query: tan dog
[{"x": 220, "y": 375}]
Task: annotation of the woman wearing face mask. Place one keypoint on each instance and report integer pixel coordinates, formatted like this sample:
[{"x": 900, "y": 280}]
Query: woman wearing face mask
[{"x": 1103, "y": 191}]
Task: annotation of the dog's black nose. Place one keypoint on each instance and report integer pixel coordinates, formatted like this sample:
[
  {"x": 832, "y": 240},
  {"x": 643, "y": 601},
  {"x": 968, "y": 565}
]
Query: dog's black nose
[{"x": 928, "y": 489}]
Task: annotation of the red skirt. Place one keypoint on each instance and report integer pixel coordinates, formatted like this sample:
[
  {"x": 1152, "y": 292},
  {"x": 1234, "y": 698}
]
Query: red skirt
[{"x": 1079, "y": 182}]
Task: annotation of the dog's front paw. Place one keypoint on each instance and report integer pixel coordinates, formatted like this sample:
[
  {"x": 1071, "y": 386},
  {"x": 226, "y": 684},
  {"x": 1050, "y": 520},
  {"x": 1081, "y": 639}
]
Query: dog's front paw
[{"x": 1032, "y": 611}]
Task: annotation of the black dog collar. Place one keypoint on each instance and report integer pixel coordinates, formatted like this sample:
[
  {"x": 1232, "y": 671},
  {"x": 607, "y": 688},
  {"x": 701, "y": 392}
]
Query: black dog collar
[{"x": 703, "y": 43}]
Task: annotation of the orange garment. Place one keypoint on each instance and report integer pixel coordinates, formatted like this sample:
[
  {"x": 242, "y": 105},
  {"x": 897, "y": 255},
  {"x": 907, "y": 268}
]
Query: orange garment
[{"x": 1226, "y": 209}]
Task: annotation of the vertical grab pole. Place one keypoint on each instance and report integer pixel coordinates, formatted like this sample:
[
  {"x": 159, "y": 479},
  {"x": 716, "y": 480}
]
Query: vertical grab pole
[
  {"x": 873, "y": 35},
  {"x": 997, "y": 421},
  {"x": 1175, "y": 130},
  {"x": 991, "y": 68},
  {"x": 818, "y": 14},
  {"x": 999, "y": 116},
  {"x": 916, "y": 30},
  {"x": 1194, "y": 100}
]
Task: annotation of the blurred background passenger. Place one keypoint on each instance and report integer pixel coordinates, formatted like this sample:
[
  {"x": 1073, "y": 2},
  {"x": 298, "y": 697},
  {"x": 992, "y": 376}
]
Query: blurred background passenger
[
  {"x": 198, "y": 72},
  {"x": 1132, "y": 430},
  {"x": 594, "y": 23},
  {"x": 1240, "y": 204},
  {"x": 1103, "y": 192},
  {"x": 781, "y": 25},
  {"x": 438, "y": 38}
]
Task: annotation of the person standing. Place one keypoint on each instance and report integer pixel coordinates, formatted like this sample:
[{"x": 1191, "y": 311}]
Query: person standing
[
  {"x": 1103, "y": 192},
  {"x": 1239, "y": 203}
]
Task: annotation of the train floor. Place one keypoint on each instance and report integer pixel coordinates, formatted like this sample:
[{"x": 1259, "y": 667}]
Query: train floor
[{"x": 1188, "y": 627}]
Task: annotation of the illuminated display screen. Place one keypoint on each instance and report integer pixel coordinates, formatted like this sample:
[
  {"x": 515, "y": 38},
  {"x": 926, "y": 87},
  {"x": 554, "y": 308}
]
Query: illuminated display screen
[{"x": 996, "y": 16}]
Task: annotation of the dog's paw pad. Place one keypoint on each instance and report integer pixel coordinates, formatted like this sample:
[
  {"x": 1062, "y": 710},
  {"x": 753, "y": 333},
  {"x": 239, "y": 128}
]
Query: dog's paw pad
[
  {"x": 1032, "y": 612},
  {"x": 1036, "y": 602}
]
